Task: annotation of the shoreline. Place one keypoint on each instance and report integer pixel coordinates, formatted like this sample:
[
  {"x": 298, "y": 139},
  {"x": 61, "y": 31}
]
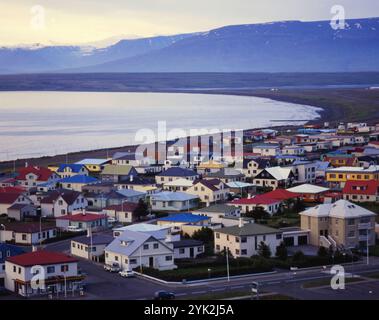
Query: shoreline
[{"x": 326, "y": 113}]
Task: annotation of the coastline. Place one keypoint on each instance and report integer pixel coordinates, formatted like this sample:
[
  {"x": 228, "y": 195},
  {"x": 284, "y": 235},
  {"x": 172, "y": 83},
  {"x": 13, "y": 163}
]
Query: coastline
[{"x": 327, "y": 113}]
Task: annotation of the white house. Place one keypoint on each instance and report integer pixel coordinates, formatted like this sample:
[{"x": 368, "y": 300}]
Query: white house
[
  {"x": 244, "y": 240},
  {"x": 58, "y": 272},
  {"x": 27, "y": 233},
  {"x": 132, "y": 249},
  {"x": 81, "y": 247},
  {"x": 62, "y": 202},
  {"x": 187, "y": 248},
  {"x": 173, "y": 201}
]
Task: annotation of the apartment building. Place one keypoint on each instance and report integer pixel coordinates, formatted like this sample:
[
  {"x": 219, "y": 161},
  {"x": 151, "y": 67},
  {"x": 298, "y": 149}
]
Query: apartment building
[
  {"x": 339, "y": 224},
  {"x": 337, "y": 177}
]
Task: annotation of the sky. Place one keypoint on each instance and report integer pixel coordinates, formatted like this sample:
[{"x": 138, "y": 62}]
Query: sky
[{"x": 92, "y": 21}]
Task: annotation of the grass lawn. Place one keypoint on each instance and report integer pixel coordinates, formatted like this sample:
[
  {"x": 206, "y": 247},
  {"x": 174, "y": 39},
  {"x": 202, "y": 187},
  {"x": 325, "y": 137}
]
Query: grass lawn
[
  {"x": 374, "y": 250},
  {"x": 219, "y": 295},
  {"x": 326, "y": 282},
  {"x": 374, "y": 275}
]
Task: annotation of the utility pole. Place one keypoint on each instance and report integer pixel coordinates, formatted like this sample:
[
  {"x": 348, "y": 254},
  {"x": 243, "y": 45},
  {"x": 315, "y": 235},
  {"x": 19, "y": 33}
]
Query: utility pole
[
  {"x": 367, "y": 253},
  {"x": 227, "y": 263}
]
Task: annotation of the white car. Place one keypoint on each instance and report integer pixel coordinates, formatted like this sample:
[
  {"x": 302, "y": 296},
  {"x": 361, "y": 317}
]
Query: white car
[
  {"x": 114, "y": 267},
  {"x": 126, "y": 273},
  {"x": 74, "y": 229}
]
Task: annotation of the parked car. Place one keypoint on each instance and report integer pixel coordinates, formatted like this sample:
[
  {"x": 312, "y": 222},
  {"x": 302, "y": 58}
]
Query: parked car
[
  {"x": 164, "y": 295},
  {"x": 126, "y": 273},
  {"x": 114, "y": 267},
  {"x": 112, "y": 220},
  {"x": 74, "y": 229}
]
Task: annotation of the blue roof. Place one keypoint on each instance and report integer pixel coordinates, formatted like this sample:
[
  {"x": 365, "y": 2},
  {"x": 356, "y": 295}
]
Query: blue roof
[
  {"x": 74, "y": 167},
  {"x": 9, "y": 250},
  {"x": 79, "y": 179},
  {"x": 177, "y": 172},
  {"x": 184, "y": 217}
]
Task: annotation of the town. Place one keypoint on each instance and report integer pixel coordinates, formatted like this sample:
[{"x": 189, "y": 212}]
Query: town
[{"x": 142, "y": 227}]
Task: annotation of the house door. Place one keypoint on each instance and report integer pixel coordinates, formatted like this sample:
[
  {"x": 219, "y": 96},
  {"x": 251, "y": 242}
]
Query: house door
[
  {"x": 191, "y": 253},
  {"x": 151, "y": 262}
]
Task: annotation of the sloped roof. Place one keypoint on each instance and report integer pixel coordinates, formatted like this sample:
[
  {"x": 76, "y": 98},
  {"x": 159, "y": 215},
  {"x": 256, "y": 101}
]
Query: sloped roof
[
  {"x": 177, "y": 172},
  {"x": 8, "y": 197},
  {"x": 112, "y": 169},
  {"x": 173, "y": 196},
  {"x": 184, "y": 217},
  {"x": 10, "y": 249},
  {"x": 361, "y": 187},
  {"x": 74, "y": 167},
  {"x": 282, "y": 194},
  {"x": 279, "y": 173},
  {"x": 308, "y": 188},
  {"x": 69, "y": 196},
  {"x": 217, "y": 208},
  {"x": 80, "y": 179},
  {"x": 92, "y": 161},
  {"x": 340, "y": 209},
  {"x": 42, "y": 173},
  {"x": 41, "y": 257},
  {"x": 96, "y": 239},
  {"x": 126, "y": 207},
  {"x": 249, "y": 229},
  {"x": 87, "y": 217},
  {"x": 257, "y": 200},
  {"x": 226, "y": 173},
  {"x": 182, "y": 182}
]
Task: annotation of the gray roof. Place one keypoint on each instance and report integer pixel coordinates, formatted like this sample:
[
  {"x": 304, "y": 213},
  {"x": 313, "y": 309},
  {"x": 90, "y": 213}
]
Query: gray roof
[
  {"x": 187, "y": 243},
  {"x": 226, "y": 173},
  {"x": 218, "y": 208},
  {"x": 250, "y": 229},
  {"x": 96, "y": 239}
]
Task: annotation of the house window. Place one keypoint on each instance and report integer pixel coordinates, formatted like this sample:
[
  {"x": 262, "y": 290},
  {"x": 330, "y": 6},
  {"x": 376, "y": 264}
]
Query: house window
[
  {"x": 351, "y": 222},
  {"x": 243, "y": 252},
  {"x": 237, "y": 251},
  {"x": 217, "y": 236},
  {"x": 243, "y": 239},
  {"x": 24, "y": 237},
  {"x": 237, "y": 239},
  {"x": 199, "y": 249},
  {"x": 168, "y": 258},
  {"x": 351, "y": 234},
  {"x": 145, "y": 247},
  {"x": 50, "y": 269},
  {"x": 116, "y": 258},
  {"x": 218, "y": 247},
  {"x": 278, "y": 236},
  {"x": 181, "y": 250},
  {"x": 156, "y": 245},
  {"x": 133, "y": 261},
  {"x": 73, "y": 245},
  {"x": 64, "y": 268}
]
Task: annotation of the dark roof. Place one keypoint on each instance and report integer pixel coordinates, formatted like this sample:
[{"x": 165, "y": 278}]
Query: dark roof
[
  {"x": 184, "y": 217},
  {"x": 249, "y": 229},
  {"x": 87, "y": 217},
  {"x": 135, "y": 180},
  {"x": 19, "y": 206},
  {"x": 262, "y": 163},
  {"x": 125, "y": 207},
  {"x": 42, "y": 257},
  {"x": 69, "y": 196},
  {"x": 9, "y": 250},
  {"x": 218, "y": 208},
  {"x": 187, "y": 243},
  {"x": 211, "y": 184},
  {"x": 225, "y": 173},
  {"x": 96, "y": 239},
  {"x": 177, "y": 172},
  {"x": 28, "y": 227},
  {"x": 8, "y": 197},
  {"x": 74, "y": 167}
]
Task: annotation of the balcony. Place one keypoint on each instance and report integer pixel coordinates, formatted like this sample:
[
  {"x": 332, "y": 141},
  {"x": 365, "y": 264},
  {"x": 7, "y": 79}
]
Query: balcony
[
  {"x": 364, "y": 225},
  {"x": 363, "y": 237}
]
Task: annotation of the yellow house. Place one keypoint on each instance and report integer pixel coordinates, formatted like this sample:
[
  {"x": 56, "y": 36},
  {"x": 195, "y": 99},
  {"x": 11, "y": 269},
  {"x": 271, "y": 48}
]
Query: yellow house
[
  {"x": 94, "y": 165},
  {"x": 209, "y": 166},
  {"x": 337, "y": 177}
]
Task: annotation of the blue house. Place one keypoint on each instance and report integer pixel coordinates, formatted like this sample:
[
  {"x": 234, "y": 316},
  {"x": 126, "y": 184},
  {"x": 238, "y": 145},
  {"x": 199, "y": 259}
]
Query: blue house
[{"x": 70, "y": 170}]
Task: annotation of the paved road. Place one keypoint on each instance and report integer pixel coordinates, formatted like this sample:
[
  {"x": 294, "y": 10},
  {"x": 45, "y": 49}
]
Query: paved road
[{"x": 104, "y": 285}]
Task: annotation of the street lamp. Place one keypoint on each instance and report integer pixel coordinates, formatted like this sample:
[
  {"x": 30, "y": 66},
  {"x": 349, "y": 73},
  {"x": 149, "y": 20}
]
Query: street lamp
[{"x": 209, "y": 273}]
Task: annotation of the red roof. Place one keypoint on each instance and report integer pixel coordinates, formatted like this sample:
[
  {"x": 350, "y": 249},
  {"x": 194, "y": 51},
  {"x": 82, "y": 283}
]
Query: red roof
[
  {"x": 361, "y": 187},
  {"x": 8, "y": 197},
  {"x": 41, "y": 257},
  {"x": 43, "y": 174},
  {"x": 88, "y": 217},
  {"x": 259, "y": 199},
  {"x": 282, "y": 194},
  {"x": 16, "y": 189},
  {"x": 376, "y": 143}
]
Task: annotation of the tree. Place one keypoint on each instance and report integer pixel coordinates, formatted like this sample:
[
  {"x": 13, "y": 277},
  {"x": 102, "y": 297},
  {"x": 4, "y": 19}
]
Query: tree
[
  {"x": 141, "y": 210},
  {"x": 264, "y": 250},
  {"x": 298, "y": 256},
  {"x": 281, "y": 251},
  {"x": 258, "y": 213},
  {"x": 204, "y": 234},
  {"x": 322, "y": 252}
]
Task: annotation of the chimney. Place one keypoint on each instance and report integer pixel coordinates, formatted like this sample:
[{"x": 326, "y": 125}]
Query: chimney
[
  {"x": 34, "y": 248},
  {"x": 249, "y": 196},
  {"x": 240, "y": 222},
  {"x": 83, "y": 212},
  {"x": 26, "y": 164},
  {"x": 89, "y": 233}
]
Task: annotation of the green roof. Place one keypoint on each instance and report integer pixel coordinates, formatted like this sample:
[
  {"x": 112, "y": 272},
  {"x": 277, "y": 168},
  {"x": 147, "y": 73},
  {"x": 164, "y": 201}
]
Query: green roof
[
  {"x": 117, "y": 169},
  {"x": 249, "y": 229}
]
